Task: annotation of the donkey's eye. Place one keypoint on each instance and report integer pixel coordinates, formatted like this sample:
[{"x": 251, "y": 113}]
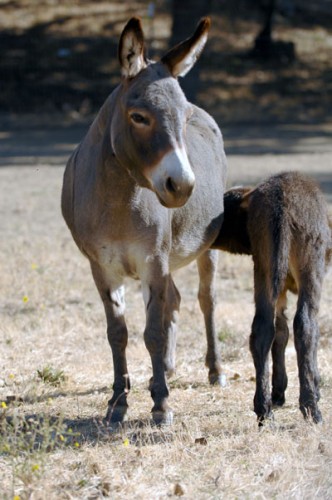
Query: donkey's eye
[{"x": 139, "y": 119}]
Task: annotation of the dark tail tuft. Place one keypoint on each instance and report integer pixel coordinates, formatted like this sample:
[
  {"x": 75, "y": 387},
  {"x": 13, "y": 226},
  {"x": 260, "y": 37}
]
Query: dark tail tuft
[{"x": 280, "y": 249}]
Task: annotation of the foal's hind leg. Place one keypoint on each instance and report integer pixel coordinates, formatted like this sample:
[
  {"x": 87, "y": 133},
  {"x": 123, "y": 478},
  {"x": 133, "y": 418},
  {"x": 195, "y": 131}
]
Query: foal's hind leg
[
  {"x": 261, "y": 338},
  {"x": 306, "y": 334},
  {"x": 279, "y": 376},
  {"x": 207, "y": 268}
]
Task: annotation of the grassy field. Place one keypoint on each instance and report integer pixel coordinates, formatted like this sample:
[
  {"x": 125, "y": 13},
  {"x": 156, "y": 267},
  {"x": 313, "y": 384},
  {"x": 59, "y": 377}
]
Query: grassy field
[{"x": 56, "y": 368}]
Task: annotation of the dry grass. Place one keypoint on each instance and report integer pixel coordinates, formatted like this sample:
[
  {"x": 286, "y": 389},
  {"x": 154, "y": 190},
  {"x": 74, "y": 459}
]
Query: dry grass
[
  {"x": 56, "y": 365},
  {"x": 52, "y": 442}
]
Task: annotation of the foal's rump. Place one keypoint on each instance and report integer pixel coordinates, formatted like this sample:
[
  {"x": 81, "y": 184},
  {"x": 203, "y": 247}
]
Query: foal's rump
[
  {"x": 270, "y": 236},
  {"x": 289, "y": 228}
]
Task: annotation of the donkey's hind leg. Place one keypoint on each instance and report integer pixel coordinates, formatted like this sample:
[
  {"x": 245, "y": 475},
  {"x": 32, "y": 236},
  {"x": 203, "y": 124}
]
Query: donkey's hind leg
[
  {"x": 207, "y": 269},
  {"x": 156, "y": 285},
  {"x": 171, "y": 314},
  {"x": 306, "y": 335},
  {"x": 279, "y": 375}
]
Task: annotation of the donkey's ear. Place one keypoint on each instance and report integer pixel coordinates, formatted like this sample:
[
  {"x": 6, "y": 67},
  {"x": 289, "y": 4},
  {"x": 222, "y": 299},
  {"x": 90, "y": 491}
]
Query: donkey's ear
[
  {"x": 181, "y": 58},
  {"x": 131, "y": 48}
]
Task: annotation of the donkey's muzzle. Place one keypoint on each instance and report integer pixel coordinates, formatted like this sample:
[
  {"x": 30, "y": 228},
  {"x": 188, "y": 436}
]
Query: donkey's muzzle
[{"x": 173, "y": 180}]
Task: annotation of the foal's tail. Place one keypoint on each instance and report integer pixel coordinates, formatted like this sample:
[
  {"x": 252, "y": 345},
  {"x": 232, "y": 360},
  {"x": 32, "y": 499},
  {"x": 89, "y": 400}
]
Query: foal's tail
[{"x": 280, "y": 250}]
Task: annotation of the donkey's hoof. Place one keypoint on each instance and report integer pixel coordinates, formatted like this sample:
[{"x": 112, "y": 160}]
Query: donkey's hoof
[
  {"x": 163, "y": 417},
  {"x": 170, "y": 372},
  {"x": 218, "y": 379},
  {"x": 266, "y": 420}
]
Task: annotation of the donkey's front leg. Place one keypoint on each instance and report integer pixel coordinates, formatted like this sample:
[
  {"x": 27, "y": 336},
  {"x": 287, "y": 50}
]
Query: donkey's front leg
[
  {"x": 207, "y": 268},
  {"x": 118, "y": 338},
  {"x": 155, "y": 295},
  {"x": 112, "y": 296}
]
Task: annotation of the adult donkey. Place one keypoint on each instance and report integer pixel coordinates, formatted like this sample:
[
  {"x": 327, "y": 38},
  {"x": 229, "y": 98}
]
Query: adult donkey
[{"x": 143, "y": 196}]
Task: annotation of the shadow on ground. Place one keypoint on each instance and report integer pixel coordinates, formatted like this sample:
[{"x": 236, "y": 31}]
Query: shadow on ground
[
  {"x": 46, "y": 142},
  {"x": 65, "y": 60}
]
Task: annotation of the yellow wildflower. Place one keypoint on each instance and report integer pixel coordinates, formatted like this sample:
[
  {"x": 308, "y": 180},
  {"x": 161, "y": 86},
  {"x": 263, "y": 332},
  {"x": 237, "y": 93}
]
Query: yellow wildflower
[{"x": 25, "y": 299}]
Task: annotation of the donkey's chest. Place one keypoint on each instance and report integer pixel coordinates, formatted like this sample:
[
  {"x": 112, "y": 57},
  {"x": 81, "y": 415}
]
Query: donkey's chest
[
  {"x": 119, "y": 259},
  {"x": 126, "y": 243}
]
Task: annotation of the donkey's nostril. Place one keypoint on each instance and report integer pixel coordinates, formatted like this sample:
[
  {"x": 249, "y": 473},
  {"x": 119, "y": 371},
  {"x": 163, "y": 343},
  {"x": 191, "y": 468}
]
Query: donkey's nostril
[{"x": 171, "y": 185}]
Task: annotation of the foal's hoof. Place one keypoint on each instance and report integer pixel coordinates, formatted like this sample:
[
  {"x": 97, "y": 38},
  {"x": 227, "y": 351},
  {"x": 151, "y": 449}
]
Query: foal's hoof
[
  {"x": 218, "y": 379},
  {"x": 163, "y": 417},
  {"x": 112, "y": 427},
  {"x": 116, "y": 414},
  {"x": 278, "y": 400},
  {"x": 317, "y": 418},
  {"x": 314, "y": 413}
]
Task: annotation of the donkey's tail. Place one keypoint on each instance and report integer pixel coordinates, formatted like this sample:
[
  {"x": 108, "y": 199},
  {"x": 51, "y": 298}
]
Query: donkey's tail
[{"x": 280, "y": 249}]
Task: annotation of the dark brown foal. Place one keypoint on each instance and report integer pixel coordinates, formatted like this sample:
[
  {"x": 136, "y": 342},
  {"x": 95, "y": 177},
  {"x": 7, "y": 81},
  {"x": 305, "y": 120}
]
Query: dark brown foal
[{"x": 284, "y": 224}]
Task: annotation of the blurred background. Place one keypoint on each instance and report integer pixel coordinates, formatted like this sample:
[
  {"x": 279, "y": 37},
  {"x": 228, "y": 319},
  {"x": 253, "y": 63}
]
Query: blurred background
[{"x": 266, "y": 61}]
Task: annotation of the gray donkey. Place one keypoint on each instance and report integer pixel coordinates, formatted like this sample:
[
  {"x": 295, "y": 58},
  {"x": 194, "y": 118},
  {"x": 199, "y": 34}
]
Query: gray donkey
[
  {"x": 143, "y": 196},
  {"x": 284, "y": 224}
]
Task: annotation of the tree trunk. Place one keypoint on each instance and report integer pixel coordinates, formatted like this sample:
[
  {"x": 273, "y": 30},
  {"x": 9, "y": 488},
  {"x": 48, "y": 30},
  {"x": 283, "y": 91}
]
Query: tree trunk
[
  {"x": 186, "y": 14},
  {"x": 263, "y": 40}
]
